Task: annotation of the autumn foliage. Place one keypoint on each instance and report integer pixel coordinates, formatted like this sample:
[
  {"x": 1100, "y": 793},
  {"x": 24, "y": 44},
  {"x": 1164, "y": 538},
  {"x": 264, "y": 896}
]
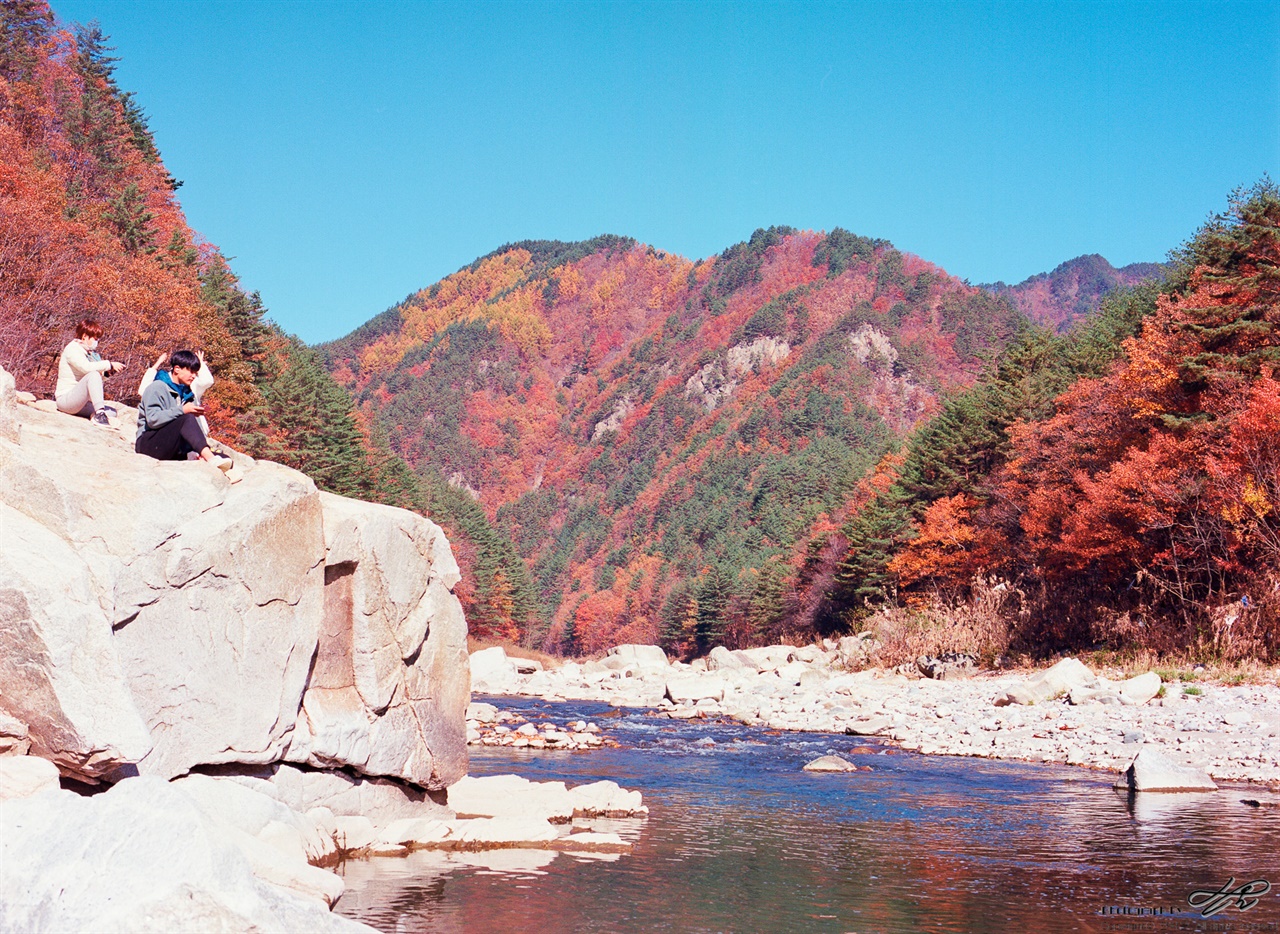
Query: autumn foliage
[
  {"x": 1150, "y": 491},
  {"x": 662, "y": 439}
]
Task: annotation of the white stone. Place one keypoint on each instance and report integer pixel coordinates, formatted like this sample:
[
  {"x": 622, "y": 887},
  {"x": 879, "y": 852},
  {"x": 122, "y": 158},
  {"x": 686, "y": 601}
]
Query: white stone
[
  {"x": 1151, "y": 770},
  {"x": 415, "y": 831},
  {"x": 767, "y": 658},
  {"x": 60, "y": 672},
  {"x": 693, "y": 688},
  {"x": 643, "y": 656},
  {"x": 381, "y": 800},
  {"x": 255, "y": 808},
  {"x": 23, "y": 776},
  {"x": 830, "y": 764},
  {"x": 868, "y": 726},
  {"x": 144, "y": 857},
  {"x": 1060, "y": 679},
  {"x": 721, "y": 658},
  {"x": 491, "y": 671},
  {"x": 482, "y": 713},
  {"x": 1140, "y": 689},
  {"x": 385, "y": 696},
  {"x": 354, "y": 833},
  {"x": 510, "y": 796},
  {"x": 606, "y": 799}
]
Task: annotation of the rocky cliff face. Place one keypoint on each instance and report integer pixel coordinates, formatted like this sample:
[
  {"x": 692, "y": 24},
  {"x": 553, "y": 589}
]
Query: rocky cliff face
[{"x": 160, "y": 618}]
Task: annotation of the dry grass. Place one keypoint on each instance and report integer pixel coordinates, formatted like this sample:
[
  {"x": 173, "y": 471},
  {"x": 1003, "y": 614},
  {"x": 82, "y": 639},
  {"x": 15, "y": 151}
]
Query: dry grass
[
  {"x": 1187, "y": 667},
  {"x": 978, "y": 627}
]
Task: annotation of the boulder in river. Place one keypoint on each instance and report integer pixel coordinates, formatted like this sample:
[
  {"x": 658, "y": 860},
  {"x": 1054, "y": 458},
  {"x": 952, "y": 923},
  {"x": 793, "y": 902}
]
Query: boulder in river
[
  {"x": 1154, "y": 771},
  {"x": 830, "y": 764}
]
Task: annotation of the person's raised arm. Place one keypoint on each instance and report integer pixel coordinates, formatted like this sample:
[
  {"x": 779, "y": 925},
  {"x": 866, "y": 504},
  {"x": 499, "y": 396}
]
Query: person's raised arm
[
  {"x": 204, "y": 378},
  {"x": 150, "y": 374}
]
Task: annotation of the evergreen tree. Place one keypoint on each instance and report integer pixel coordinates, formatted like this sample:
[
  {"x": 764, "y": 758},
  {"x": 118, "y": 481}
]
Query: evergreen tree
[
  {"x": 25, "y": 25},
  {"x": 128, "y": 216}
]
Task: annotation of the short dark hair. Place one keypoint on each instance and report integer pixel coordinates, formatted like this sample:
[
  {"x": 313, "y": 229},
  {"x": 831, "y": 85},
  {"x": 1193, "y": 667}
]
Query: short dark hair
[
  {"x": 185, "y": 359},
  {"x": 88, "y": 328}
]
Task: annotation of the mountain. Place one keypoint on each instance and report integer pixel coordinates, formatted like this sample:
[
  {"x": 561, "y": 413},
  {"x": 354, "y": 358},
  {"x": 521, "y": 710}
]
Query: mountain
[
  {"x": 660, "y": 438},
  {"x": 1074, "y": 289}
]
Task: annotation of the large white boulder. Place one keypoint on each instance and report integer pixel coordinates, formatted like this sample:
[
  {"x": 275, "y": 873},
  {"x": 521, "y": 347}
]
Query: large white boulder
[
  {"x": 254, "y": 807},
  {"x": 720, "y": 658},
  {"x": 767, "y": 657},
  {"x": 144, "y": 857},
  {"x": 1154, "y": 771},
  {"x": 1141, "y": 688},
  {"x": 158, "y": 616},
  {"x": 649, "y": 657},
  {"x": 218, "y": 658},
  {"x": 60, "y": 672},
  {"x": 492, "y": 672},
  {"x": 387, "y": 693},
  {"x": 511, "y": 796},
  {"x": 1060, "y": 679}
]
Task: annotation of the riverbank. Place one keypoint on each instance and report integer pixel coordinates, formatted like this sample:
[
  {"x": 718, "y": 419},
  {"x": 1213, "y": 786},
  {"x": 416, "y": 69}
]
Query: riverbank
[{"x": 1067, "y": 714}]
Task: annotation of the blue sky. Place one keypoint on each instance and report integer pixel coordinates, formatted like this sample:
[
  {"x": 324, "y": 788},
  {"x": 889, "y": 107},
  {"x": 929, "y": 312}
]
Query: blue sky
[{"x": 347, "y": 154}]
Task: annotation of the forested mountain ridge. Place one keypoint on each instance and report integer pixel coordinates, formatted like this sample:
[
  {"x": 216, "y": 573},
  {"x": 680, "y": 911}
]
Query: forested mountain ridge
[
  {"x": 660, "y": 437},
  {"x": 1074, "y": 289},
  {"x": 783, "y": 439}
]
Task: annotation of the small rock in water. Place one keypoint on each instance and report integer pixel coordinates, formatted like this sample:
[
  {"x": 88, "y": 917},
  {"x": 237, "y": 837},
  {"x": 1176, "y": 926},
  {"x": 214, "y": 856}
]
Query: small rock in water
[{"x": 830, "y": 764}]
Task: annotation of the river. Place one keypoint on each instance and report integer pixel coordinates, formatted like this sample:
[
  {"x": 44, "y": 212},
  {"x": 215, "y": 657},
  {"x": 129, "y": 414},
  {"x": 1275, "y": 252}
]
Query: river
[{"x": 740, "y": 839}]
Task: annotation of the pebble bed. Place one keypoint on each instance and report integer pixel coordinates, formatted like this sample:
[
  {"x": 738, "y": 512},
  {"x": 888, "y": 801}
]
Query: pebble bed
[{"x": 1233, "y": 732}]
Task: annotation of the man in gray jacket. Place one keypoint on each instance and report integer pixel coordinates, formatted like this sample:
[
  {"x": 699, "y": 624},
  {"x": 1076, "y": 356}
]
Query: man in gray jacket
[{"x": 169, "y": 416}]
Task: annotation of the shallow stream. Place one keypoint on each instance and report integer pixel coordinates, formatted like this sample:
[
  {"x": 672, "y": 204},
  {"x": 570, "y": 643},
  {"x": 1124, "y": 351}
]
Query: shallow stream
[{"x": 740, "y": 839}]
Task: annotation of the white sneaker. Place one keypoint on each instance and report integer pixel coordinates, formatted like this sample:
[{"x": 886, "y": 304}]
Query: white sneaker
[{"x": 222, "y": 462}]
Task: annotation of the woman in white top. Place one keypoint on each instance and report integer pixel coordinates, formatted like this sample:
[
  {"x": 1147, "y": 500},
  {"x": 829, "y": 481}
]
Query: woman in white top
[{"x": 80, "y": 372}]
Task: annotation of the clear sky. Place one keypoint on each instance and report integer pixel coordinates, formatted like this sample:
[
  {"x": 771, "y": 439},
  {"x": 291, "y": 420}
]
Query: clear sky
[{"x": 348, "y": 154}]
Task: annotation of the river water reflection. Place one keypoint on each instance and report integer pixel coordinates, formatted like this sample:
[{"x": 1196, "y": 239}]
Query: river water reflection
[{"x": 740, "y": 839}]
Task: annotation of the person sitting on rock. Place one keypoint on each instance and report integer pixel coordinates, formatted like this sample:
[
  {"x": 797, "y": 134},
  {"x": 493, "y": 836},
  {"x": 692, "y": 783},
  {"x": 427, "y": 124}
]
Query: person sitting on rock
[
  {"x": 169, "y": 416},
  {"x": 80, "y": 373},
  {"x": 199, "y": 386}
]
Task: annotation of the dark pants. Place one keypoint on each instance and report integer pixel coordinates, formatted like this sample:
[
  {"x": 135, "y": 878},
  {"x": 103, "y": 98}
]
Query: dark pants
[{"x": 174, "y": 440}]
